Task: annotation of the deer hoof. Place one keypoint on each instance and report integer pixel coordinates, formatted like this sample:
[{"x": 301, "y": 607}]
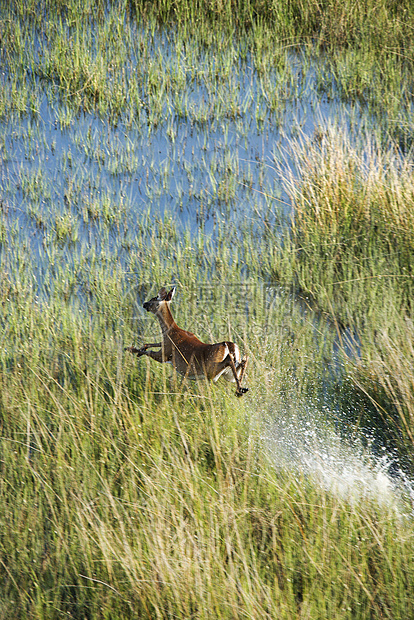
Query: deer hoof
[{"x": 241, "y": 391}]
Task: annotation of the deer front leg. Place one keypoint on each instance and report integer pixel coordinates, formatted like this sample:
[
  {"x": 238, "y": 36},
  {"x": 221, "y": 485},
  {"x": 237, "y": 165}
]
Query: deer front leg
[
  {"x": 158, "y": 356},
  {"x": 142, "y": 350},
  {"x": 189, "y": 367}
]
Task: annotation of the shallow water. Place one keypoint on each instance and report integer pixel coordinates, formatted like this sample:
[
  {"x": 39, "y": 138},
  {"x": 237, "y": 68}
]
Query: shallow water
[{"x": 198, "y": 162}]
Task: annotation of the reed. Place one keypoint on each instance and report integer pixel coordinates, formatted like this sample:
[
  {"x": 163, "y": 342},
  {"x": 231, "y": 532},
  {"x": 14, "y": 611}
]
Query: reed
[
  {"x": 123, "y": 493},
  {"x": 353, "y": 245}
]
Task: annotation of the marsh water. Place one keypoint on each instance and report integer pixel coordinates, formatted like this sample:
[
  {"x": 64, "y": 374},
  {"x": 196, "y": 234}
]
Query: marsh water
[
  {"x": 74, "y": 185},
  {"x": 197, "y": 162}
]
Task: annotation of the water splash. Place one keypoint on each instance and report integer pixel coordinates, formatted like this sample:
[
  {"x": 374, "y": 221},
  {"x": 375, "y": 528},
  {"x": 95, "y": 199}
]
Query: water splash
[{"x": 304, "y": 442}]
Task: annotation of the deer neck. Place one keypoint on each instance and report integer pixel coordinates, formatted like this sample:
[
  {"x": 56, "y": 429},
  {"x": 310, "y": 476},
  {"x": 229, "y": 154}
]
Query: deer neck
[{"x": 166, "y": 320}]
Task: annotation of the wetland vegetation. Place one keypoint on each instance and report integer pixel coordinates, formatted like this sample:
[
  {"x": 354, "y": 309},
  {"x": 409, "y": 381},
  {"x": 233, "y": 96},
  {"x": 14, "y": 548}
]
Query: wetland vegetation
[{"x": 259, "y": 156}]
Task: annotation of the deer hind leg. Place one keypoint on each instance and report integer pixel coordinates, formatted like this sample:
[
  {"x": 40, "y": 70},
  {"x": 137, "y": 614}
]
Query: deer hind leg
[
  {"x": 234, "y": 367},
  {"x": 238, "y": 373},
  {"x": 241, "y": 368}
]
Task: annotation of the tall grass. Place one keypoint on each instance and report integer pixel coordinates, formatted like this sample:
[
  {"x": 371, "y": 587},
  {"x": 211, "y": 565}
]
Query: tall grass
[
  {"x": 354, "y": 215},
  {"x": 125, "y": 494},
  {"x": 353, "y": 251}
]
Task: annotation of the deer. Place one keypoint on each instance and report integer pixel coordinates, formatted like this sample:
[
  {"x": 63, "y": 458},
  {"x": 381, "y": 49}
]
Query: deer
[{"x": 189, "y": 356}]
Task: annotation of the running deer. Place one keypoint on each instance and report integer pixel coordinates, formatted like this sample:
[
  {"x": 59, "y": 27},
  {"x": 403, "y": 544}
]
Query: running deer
[{"x": 189, "y": 356}]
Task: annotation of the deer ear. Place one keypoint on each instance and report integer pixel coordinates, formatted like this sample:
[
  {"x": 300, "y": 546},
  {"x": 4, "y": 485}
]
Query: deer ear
[
  {"x": 170, "y": 294},
  {"x": 162, "y": 294}
]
